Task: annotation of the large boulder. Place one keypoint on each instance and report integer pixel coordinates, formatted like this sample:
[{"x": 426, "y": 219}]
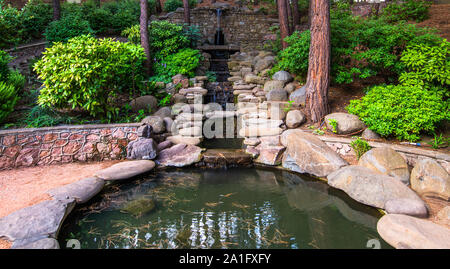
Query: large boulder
[
  {"x": 156, "y": 122},
  {"x": 142, "y": 149},
  {"x": 254, "y": 79},
  {"x": 163, "y": 112},
  {"x": 295, "y": 118},
  {"x": 386, "y": 161},
  {"x": 264, "y": 63},
  {"x": 346, "y": 123},
  {"x": 146, "y": 103},
  {"x": 369, "y": 134},
  {"x": 402, "y": 231},
  {"x": 126, "y": 170},
  {"x": 430, "y": 179},
  {"x": 283, "y": 76},
  {"x": 444, "y": 215},
  {"x": 277, "y": 95},
  {"x": 273, "y": 85},
  {"x": 371, "y": 188},
  {"x": 270, "y": 155},
  {"x": 298, "y": 96},
  {"x": 189, "y": 140},
  {"x": 82, "y": 190},
  {"x": 306, "y": 153},
  {"x": 179, "y": 155}
]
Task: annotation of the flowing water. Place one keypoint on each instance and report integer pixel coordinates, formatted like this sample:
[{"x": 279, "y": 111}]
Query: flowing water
[{"x": 234, "y": 208}]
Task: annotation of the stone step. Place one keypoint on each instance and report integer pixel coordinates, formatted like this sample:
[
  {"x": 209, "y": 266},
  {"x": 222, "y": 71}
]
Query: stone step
[{"x": 215, "y": 158}]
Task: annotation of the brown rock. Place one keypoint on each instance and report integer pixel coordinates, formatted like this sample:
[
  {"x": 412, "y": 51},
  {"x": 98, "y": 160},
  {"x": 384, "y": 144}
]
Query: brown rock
[{"x": 430, "y": 179}]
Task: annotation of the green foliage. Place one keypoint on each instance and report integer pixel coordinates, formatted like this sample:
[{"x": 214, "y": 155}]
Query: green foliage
[
  {"x": 8, "y": 99},
  {"x": 35, "y": 17},
  {"x": 212, "y": 77},
  {"x": 66, "y": 28},
  {"x": 360, "y": 48},
  {"x": 172, "y": 5},
  {"x": 16, "y": 80},
  {"x": 166, "y": 38},
  {"x": 4, "y": 69},
  {"x": 401, "y": 111},
  {"x": 333, "y": 124},
  {"x": 183, "y": 62},
  {"x": 416, "y": 10},
  {"x": 274, "y": 45},
  {"x": 10, "y": 25},
  {"x": 88, "y": 73},
  {"x": 133, "y": 34},
  {"x": 41, "y": 116},
  {"x": 427, "y": 65},
  {"x": 360, "y": 147},
  {"x": 192, "y": 33},
  {"x": 438, "y": 142}
]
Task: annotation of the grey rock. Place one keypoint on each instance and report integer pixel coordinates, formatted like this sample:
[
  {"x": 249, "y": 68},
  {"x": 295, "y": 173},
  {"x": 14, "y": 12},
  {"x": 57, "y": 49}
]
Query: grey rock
[
  {"x": 156, "y": 122},
  {"x": 430, "y": 179},
  {"x": 82, "y": 190},
  {"x": 290, "y": 87},
  {"x": 270, "y": 155},
  {"x": 178, "y": 139},
  {"x": 283, "y": 76},
  {"x": 254, "y": 79},
  {"x": 277, "y": 95},
  {"x": 265, "y": 63},
  {"x": 43, "y": 243},
  {"x": 40, "y": 220},
  {"x": 179, "y": 155},
  {"x": 164, "y": 112},
  {"x": 179, "y": 98},
  {"x": 146, "y": 103},
  {"x": 374, "y": 189},
  {"x": 402, "y": 231},
  {"x": 142, "y": 149},
  {"x": 298, "y": 96},
  {"x": 164, "y": 145},
  {"x": 126, "y": 170},
  {"x": 168, "y": 123},
  {"x": 295, "y": 118},
  {"x": 346, "y": 123},
  {"x": 144, "y": 131},
  {"x": 369, "y": 134},
  {"x": 273, "y": 85},
  {"x": 386, "y": 161},
  {"x": 406, "y": 207},
  {"x": 305, "y": 153}
]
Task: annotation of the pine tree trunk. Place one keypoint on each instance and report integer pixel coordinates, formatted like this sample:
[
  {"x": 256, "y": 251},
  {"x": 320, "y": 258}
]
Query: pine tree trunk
[
  {"x": 283, "y": 20},
  {"x": 318, "y": 80},
  {"x": 295, "y": 14},
  {"x": 144, "y": 34},
  {"x": 56, "y": 10},
  {"x": 187, "y": 16},
  {"x": 289, "y": 12},
  {"x": 158, "y": 6}
]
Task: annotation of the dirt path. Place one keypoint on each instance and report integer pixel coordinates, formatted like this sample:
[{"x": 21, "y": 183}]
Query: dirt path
[
  {"x": 20, "y": 188},
  {"x": 439, "y": 19}
]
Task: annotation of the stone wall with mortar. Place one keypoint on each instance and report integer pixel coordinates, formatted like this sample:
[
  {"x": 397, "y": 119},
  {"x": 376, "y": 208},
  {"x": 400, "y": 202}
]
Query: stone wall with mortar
[
  {"x": 246, "y": 29},
  {"x": 53, "y": 145}
]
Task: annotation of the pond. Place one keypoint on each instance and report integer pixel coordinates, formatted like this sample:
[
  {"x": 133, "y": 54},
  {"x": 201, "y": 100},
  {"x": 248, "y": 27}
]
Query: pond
[{"x": 234, "y": 208}]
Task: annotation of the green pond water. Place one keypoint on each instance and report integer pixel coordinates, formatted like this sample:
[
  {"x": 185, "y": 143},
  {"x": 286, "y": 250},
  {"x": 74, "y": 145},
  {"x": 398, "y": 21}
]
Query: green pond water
[{"x": 235, "y": 208}]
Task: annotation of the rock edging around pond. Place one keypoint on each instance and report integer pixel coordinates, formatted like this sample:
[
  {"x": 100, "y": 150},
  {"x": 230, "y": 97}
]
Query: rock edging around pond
[{"x": 37, "y": 226}]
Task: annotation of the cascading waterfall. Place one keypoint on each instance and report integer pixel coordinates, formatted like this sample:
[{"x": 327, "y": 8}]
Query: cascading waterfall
[{"x": 219, "y": 37}]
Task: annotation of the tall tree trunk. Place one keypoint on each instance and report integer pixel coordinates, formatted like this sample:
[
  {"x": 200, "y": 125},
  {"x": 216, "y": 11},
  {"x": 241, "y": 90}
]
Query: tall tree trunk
[
  {"x": 158, "y": 6},
  {"x": 56, "y": 10},
  {"x": 283, "y": 20},
  {"x": 318, "y": 80},
  {"x": 289, "y": 12},
  {"x": 187, "y": 15},
  {"x": 144, "y": 34},
  {"x": 295, "y": 13}
]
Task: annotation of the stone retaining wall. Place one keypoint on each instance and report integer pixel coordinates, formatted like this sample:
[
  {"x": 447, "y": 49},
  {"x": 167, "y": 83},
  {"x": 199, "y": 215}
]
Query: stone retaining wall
[{"x": 42, "y": 146}]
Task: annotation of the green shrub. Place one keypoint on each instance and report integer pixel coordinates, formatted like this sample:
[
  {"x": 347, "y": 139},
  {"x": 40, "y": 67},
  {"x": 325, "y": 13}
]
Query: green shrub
[
  {"x": 4, "y": 69},
  {"x": 192, "y": 33},
  {"x": 11, "y": 28},
  {"x": 40, "y": 116},
  {"x": 416, "y": 10},
  {"x": 8, "y": 99},
  {"x": 360, "y": 48},
  {"x": 16, "y": 79},
  {"x": 166, "y": 38},
  {"x": 88, "y": 73},
  {"x": 427, "y": 65},
  {"x": 133, "y": 34},
  {"x": 360, "y": 147},
  {"x": 66, "y": 28},
  {"x": 172, "y": 5},
  {"x": 183, "y": 62},
  {"x": 401, "y": 111},
  {"x": 36, "y": 16}
]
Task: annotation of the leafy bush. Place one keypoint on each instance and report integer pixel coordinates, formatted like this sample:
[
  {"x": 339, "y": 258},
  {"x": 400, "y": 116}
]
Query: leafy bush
[
  {"x": 10, "y": 26},
  {"x": 66, "y": 28},
  {"x": 35, "y": 16},
  {"x": 40, "y": 116},
  {"x": 427, "y": 65},
  {"x": 133, "y": 34},
  {"x": 183, "y": 62},
  {"x": 192, "y": 33},
  {"x": 8, "y": 99},
  {"x": 401, "y": 111},
  {"x": 361, "y": 48},
  {"x": 416, "y": 10},
  {"x": 360, "y": 147},
  {"x": 88, "y": 73},
  {"x": 172, "y": 5},
  {"x": 16, "y": 79},
  {"x": 4, "y": 69},
  {"x": 166, "y": 38}
]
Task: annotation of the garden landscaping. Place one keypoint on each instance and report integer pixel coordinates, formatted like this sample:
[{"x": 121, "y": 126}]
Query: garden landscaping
[{"x": 96, "y": 107}]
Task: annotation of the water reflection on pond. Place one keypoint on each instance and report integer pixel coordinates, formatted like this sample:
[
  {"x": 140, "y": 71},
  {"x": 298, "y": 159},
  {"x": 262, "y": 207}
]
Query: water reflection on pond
[{"x": 234, "y": 208}]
